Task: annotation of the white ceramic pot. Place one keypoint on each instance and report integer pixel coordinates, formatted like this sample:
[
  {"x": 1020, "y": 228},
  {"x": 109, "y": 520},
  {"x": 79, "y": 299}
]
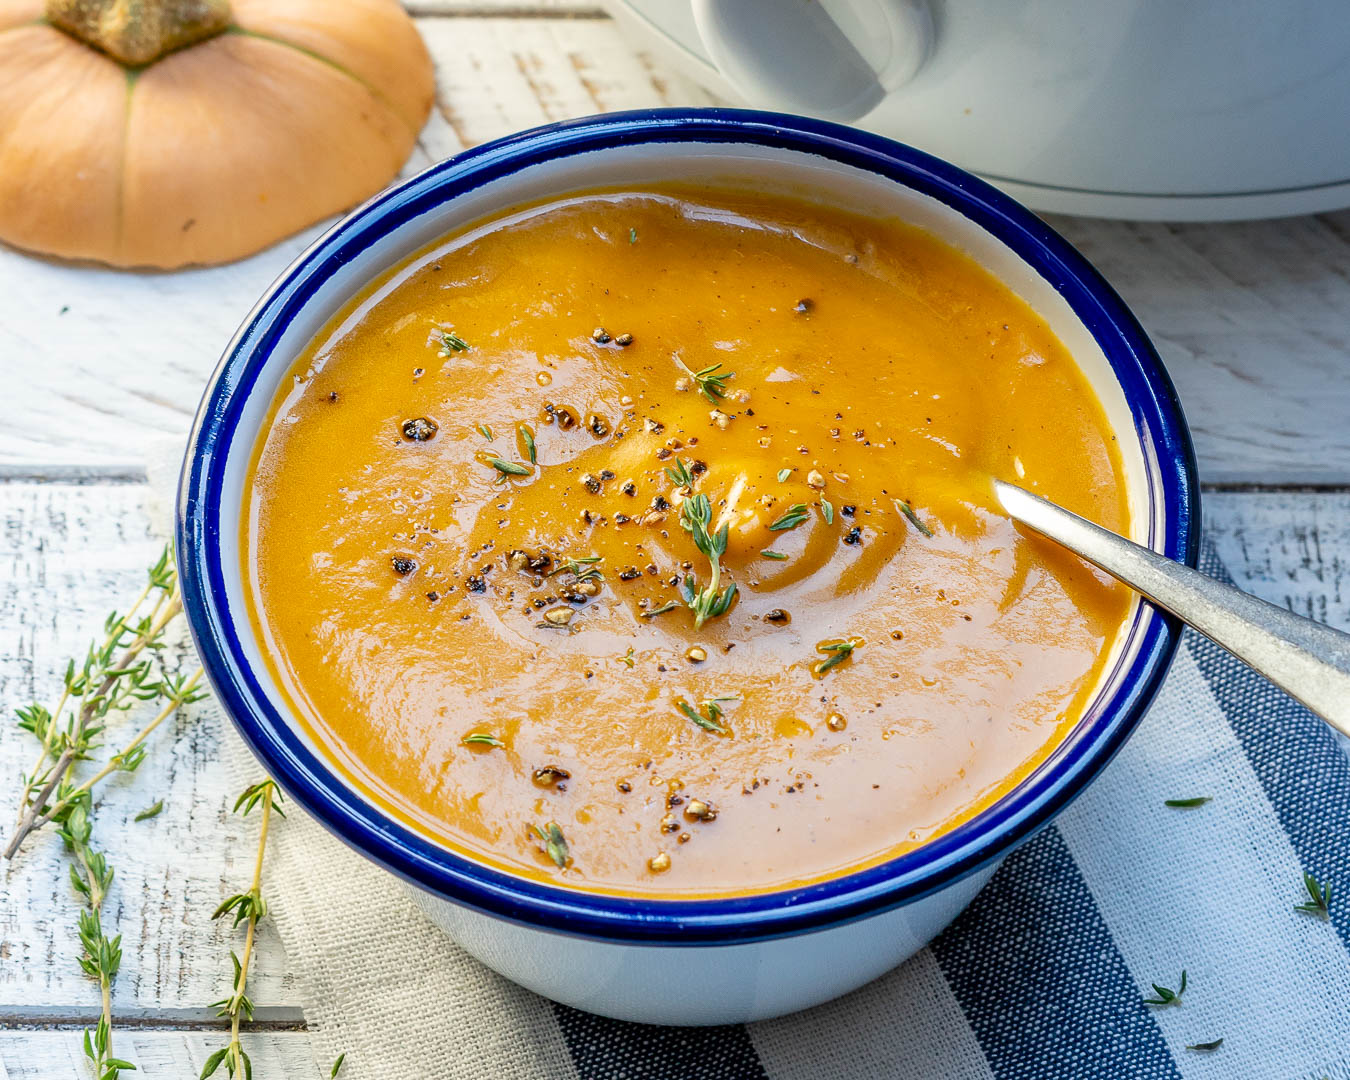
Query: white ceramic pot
[{"x": 748, "y": 957}]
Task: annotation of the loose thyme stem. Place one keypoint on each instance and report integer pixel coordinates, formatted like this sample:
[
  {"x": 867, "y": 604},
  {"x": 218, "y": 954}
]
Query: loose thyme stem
[
  {"x": 236, "y": 1049},
  {"x": 183, "y": 696},
  {"x": 165, "y": 609},
  {"x": 31, "y": 781}
]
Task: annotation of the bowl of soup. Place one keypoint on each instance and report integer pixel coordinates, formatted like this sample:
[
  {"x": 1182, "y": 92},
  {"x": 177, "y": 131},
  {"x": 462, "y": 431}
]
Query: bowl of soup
[{"x": 597, "y": 532}]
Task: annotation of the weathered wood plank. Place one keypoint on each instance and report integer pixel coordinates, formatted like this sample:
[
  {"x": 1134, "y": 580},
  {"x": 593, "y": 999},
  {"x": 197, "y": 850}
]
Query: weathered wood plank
[
  {"x": 1253, "y": 319},
  {"x": 68, "y": 555},
  {"x": 159, "y": 1055}
]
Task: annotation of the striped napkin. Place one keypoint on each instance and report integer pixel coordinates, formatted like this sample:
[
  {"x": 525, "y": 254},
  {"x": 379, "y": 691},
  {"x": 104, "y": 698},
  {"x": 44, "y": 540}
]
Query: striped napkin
[{"x": 1044, "y": 976}]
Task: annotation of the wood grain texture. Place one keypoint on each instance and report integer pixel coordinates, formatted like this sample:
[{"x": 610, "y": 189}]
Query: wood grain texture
[
  {"x": 160, "y": 1055},
  {"x": 68, "y": 555},
  {"x": 1253, "y": 319}
]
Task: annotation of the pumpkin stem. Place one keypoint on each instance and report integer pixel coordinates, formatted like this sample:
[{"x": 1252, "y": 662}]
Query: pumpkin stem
[{"x": 137, "y": 32}]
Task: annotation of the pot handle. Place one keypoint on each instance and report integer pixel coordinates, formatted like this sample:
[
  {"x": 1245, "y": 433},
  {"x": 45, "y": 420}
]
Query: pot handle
[{"x": 834, "y": 59}]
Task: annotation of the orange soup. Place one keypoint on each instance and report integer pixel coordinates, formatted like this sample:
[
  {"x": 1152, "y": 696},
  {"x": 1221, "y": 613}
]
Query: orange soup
[{"x": 643, "y": 541}]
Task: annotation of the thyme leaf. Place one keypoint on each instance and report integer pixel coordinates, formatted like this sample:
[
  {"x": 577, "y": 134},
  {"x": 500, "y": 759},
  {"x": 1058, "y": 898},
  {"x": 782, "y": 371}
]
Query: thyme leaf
[
  {"x": 527, "y": 437},
  {"x": 452, "y": 343},
  {"x": 705, "y": 603},
  {"x": 150, "y": 811},
  {"x": 679, "y": 474},
  {"x": 783, "y": 474},
  {"x": 509, "y": 468},
  {"x": 838, "y": 651},
  {"x": 482, "y": 738},
  {"x": 768, "y": 554},
  {"x": 908, "y": 511},
  {"x": 1206, "y": 1047},
  {"x": 669, "y": 605},
  {"x": 827, "y": 510},
  {"x": 486, "y": 432},
  {"x": 555, "y": 844},
  {"x": 1186, "y": 804},
  {"x": 1166, "y": 996},
  {"x": 794, "y": 516},
  {"x": 632, "y": 236},
  {"x": 337, "y": 1065},
  {"x": 713, "y": 708}
]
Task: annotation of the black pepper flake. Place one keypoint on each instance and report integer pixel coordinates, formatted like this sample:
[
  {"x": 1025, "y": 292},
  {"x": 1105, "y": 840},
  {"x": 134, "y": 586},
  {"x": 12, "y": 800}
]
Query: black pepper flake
[
  {"x": 625, "y": 786},
  {"x": 600, "y": 336},
  {"x": 660, "y": 503},
  {"x": 849, "y": 510},
  {"x": 663, "y": 453},
  {"x": 777, "y": 615},
  {"x": 607, "y": 474},
  {"x": 621, "y": 519},
  {"x": 591, "y": 483},
  {"x": 402, "y": 566},
  {"x": 433, "y": 596},
  {"x": 419, "y": 429},
  {"x": 629, "y": 488},
  {"x": 598, "y": 425},
  {"x": 652, "y": 569},
  {"x": 804, "y": 306},
  {"x": 566, "y": 419},
  {"x": 698, "y": 468},
  {"x": 854, "y": 535},
  {"x": 475, "y": 584},
  {"x": 332, "y": 395},
  {"x": 629, "y": 573},
  {"x": 654, "y": 426}
]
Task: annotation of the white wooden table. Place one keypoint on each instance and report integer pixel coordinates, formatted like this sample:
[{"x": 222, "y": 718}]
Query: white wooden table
[{"x": 1253, "y": 321}]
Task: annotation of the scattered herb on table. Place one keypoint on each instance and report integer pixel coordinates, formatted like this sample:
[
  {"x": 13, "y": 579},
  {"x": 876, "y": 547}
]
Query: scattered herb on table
[
  {"x": 838, "y": 651},
  {"x": 1206, "y": 1047},
  {"x": 452, "y": 343},
  {"x": 1166, "y": 996},
  {"x": 247, "y": 907},
  {"x": 1319, "y": 897},
  {"x": 1187, "y": 804},
  {"x": 792, "y": 517},
  {"x": 908, "y": 511},
  {"x": 695, "y": 517},
  {"x": 150, "y": 812},
  {"x": 337, "y": 1065},
  {"x": 555, "y": 844},
  {"x": 709, "y": 715}
]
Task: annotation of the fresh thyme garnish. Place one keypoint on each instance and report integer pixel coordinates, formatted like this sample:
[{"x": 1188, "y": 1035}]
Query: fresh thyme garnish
[
  {"x": 710, "y": 382},
  {"x": 632, "y": 236},
  {"x": 1206, "y": 1046},
  {"x": 827, "y": 510},
  {"x": 248, "y": 907},
  {"x": 713, "y": 707},
  {"x": 679, "y": 473},
  {"x": 1166, "y": 996},
  {"x": 795, "y": 515},
  {"x": 695, "y": 517},
  {"x": 783, "y": 474},
  {"x": 555, "y": 844},
  {"x": 486, "y": 432},
  {"x": 839, "y": 652},
  {"x": 583, "y": 569},
  {"x": 527, "y": 437},
  {"x": 1186, "y": 804},
  {"x": 481, "y": 738},
  {"x": 452, "y": 343},
  {"x": 669, "y": 605},
  {"x": 509, "y": 468},
  {"x": 772, "y": 554},
  {"x": 150, "y": 811},
  {"x": 1320, "y": 894},
  {"x": 908, "y": 511}
]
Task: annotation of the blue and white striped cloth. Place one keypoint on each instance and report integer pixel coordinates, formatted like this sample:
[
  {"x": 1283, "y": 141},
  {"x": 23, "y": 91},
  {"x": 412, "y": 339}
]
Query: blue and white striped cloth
[{"x": 1044, "y": 976}]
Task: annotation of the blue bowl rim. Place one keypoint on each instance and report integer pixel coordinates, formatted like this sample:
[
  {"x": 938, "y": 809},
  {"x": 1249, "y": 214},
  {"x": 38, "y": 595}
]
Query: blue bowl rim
[{"x": 908, "y": 877}]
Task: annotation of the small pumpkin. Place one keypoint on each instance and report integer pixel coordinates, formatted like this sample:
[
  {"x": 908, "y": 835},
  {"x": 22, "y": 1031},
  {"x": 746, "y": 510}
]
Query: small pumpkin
[{"x": 161, "y": 133}]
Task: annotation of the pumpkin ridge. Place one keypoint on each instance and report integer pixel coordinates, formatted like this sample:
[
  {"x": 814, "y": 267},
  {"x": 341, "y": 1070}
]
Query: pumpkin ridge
[{"x": 375, "y": 92}]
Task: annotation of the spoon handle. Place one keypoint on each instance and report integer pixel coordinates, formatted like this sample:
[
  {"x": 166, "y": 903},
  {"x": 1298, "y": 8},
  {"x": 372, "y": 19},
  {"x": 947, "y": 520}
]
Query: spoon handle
[{"x": 1305, "y": 658}]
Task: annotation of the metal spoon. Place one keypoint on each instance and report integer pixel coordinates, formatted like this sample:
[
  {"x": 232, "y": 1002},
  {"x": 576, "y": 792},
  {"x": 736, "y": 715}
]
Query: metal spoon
[{"x": 1306, "y": 659}]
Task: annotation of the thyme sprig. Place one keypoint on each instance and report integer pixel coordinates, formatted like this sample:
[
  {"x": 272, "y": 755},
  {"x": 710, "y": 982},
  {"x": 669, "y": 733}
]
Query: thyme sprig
[
  {"x": 101, "y": 957},
  {"x": 247, "y": 907},
  {"x": 585, "y": 568},
  {"x": 118, "y": 672},
  {"x": 680, "y": 474},
  {"x": 839, "y": 651},
  {"x": 705, "y": 603},
  {"x": 669, "y": 605},
  {"x": 1166, "y": 996},
  {"x": 710, "y": 381},
  {"x": 713, "y": 708},
  {"x": 452, "y": 343},
  {"x": 1319, "y": 897}
]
